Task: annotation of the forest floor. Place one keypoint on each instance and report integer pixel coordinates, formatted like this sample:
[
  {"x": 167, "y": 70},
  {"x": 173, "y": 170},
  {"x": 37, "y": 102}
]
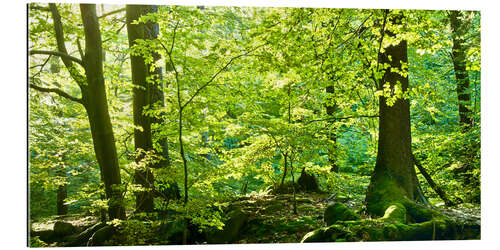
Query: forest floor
[{"x": 269, "y": 218}]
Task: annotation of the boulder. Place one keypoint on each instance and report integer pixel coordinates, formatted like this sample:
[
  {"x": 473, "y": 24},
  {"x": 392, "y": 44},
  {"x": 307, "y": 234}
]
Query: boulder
[
  {"x": 44, "y": 235},
  {"x": 62, "y": 228},
  {"x": 308, "y": 182},
  {"x": 232, "y": 229},
  {"x": 339, "y": 212},
  {"x": 101, "y": 235},
  {"x": 82, "y": 238}
]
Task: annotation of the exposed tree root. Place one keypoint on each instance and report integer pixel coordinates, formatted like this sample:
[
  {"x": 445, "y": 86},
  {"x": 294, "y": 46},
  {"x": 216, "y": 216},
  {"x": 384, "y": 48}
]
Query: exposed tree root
[{"x": 402, "y": 221}]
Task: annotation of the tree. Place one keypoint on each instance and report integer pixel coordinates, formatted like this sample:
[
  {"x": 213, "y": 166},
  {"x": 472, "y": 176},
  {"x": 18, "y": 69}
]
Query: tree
[
  {"x": 459, "y": 26},
  {"x": 394, "y": 178},
  {"x": 93, "y": 98},
  {"x": 142, "y": 98}
]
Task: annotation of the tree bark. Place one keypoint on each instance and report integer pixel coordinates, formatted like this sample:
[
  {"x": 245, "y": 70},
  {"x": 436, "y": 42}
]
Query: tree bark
[
  {"x": 141, "y": 98},
  {"x": 458, "y": 55},
  {"x": 394, "y": 178},
  {"x": 95, "y": 102},
  {"x": 62, "y": 194},
  {"x": 330, "y": 110},
  {"x": 156, "y": 96}
]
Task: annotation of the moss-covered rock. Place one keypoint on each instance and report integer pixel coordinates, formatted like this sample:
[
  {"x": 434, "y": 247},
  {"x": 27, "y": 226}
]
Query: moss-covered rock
[
  {"x": 306, "y": 208},
  {"x": 274, "y": 207},
  {"x": 308, "y": 182},
  {"x": 62, "y": 228},
  {"x": 232, "y": 228},
  {"x": 82, "y": 238},
  {"x": 101, "y": 235},
  {"x": 339, "y": 212}
]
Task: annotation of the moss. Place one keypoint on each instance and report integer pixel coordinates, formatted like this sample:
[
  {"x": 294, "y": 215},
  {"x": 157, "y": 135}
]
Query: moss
[
  {"x": 386, "y": 193},
  {"x": 274, "y": 207},
  {"x": 306, "y": 208},
  {"x": 383, "y": 230},
  {"x": 395, "y": 213},
  {"x": 339, "y": 212},
  {"x": 418, "y": 213},
  {"x": 317, "y": 235}
]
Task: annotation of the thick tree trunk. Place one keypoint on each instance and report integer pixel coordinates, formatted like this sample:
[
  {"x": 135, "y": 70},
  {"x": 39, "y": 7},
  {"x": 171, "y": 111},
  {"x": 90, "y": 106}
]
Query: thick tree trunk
[
  {"x": 458, "y": 55},
  {"x": 330, "y": 110},
  {"x": 394, "y": 178},
  {"x": 141, "y": 99},
  {"x": 95, "y": 102}
]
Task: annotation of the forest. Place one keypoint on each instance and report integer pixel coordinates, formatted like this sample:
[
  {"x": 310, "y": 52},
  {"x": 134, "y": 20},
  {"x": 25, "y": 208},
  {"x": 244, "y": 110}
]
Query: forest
[{"x": 160, "y": 125}]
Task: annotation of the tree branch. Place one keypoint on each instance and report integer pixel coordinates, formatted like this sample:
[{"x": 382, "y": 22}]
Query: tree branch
[
  {"x": 56, "y": 53},
  {"x": 217, "y": 73},
  {"x": 112, "y": 12},
  {"x": 341, "y": 118},
  {"x": 56, "y": 91},
  {"x": 61, "y": 47}
]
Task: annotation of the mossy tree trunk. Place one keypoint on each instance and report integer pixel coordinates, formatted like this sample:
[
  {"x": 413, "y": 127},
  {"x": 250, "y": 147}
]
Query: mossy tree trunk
[{"x": 394, "y": 178}]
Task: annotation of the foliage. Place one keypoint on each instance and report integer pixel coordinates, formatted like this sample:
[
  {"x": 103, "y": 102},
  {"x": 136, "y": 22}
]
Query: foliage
[{"x": 250, "y": 93}]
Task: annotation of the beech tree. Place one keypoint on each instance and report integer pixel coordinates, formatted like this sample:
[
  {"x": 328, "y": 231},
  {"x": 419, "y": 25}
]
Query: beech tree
[
  {"x": 459, "y": 25},
  {"x": 141, "y": 78},
  {"x": 394, "y": 178},
  {"x": 93, "y": 98}
]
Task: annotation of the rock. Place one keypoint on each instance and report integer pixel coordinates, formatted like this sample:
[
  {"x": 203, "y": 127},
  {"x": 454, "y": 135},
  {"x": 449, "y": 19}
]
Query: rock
[
  {"x": 62, "y": 228},
  {"x": 341, "y": 198},
  {"x": 232, "y": 229},
  {"x": 101, "y": 235},
  {"x": 286, "y": 188},
  {"x": 306, "y": 208},
  {"x": 275, "y": 206},
  {"x": 308, "y": 182},
  {"x": 339, "y": 212},
  {"x": 82, "y": 238},
  {"x": 173, "y": 231},
  {"x": 44, "y": 235},
  {"x": 304, "y": 200}
]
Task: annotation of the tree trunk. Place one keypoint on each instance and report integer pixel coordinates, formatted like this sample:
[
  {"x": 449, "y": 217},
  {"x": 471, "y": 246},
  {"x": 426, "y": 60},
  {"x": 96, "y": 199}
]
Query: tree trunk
[
  {"x": 157, "y": 98},
  {"x": 141, "y": 98},
  {"x": 95, "y": 102},
  {"x": 62, "y": 194},
  {"x": 285, "y": 166},
  {"x": 458, "y": 55},
  {"x": 330, "y": 110},
  {"x": 394, "y": 179}
]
